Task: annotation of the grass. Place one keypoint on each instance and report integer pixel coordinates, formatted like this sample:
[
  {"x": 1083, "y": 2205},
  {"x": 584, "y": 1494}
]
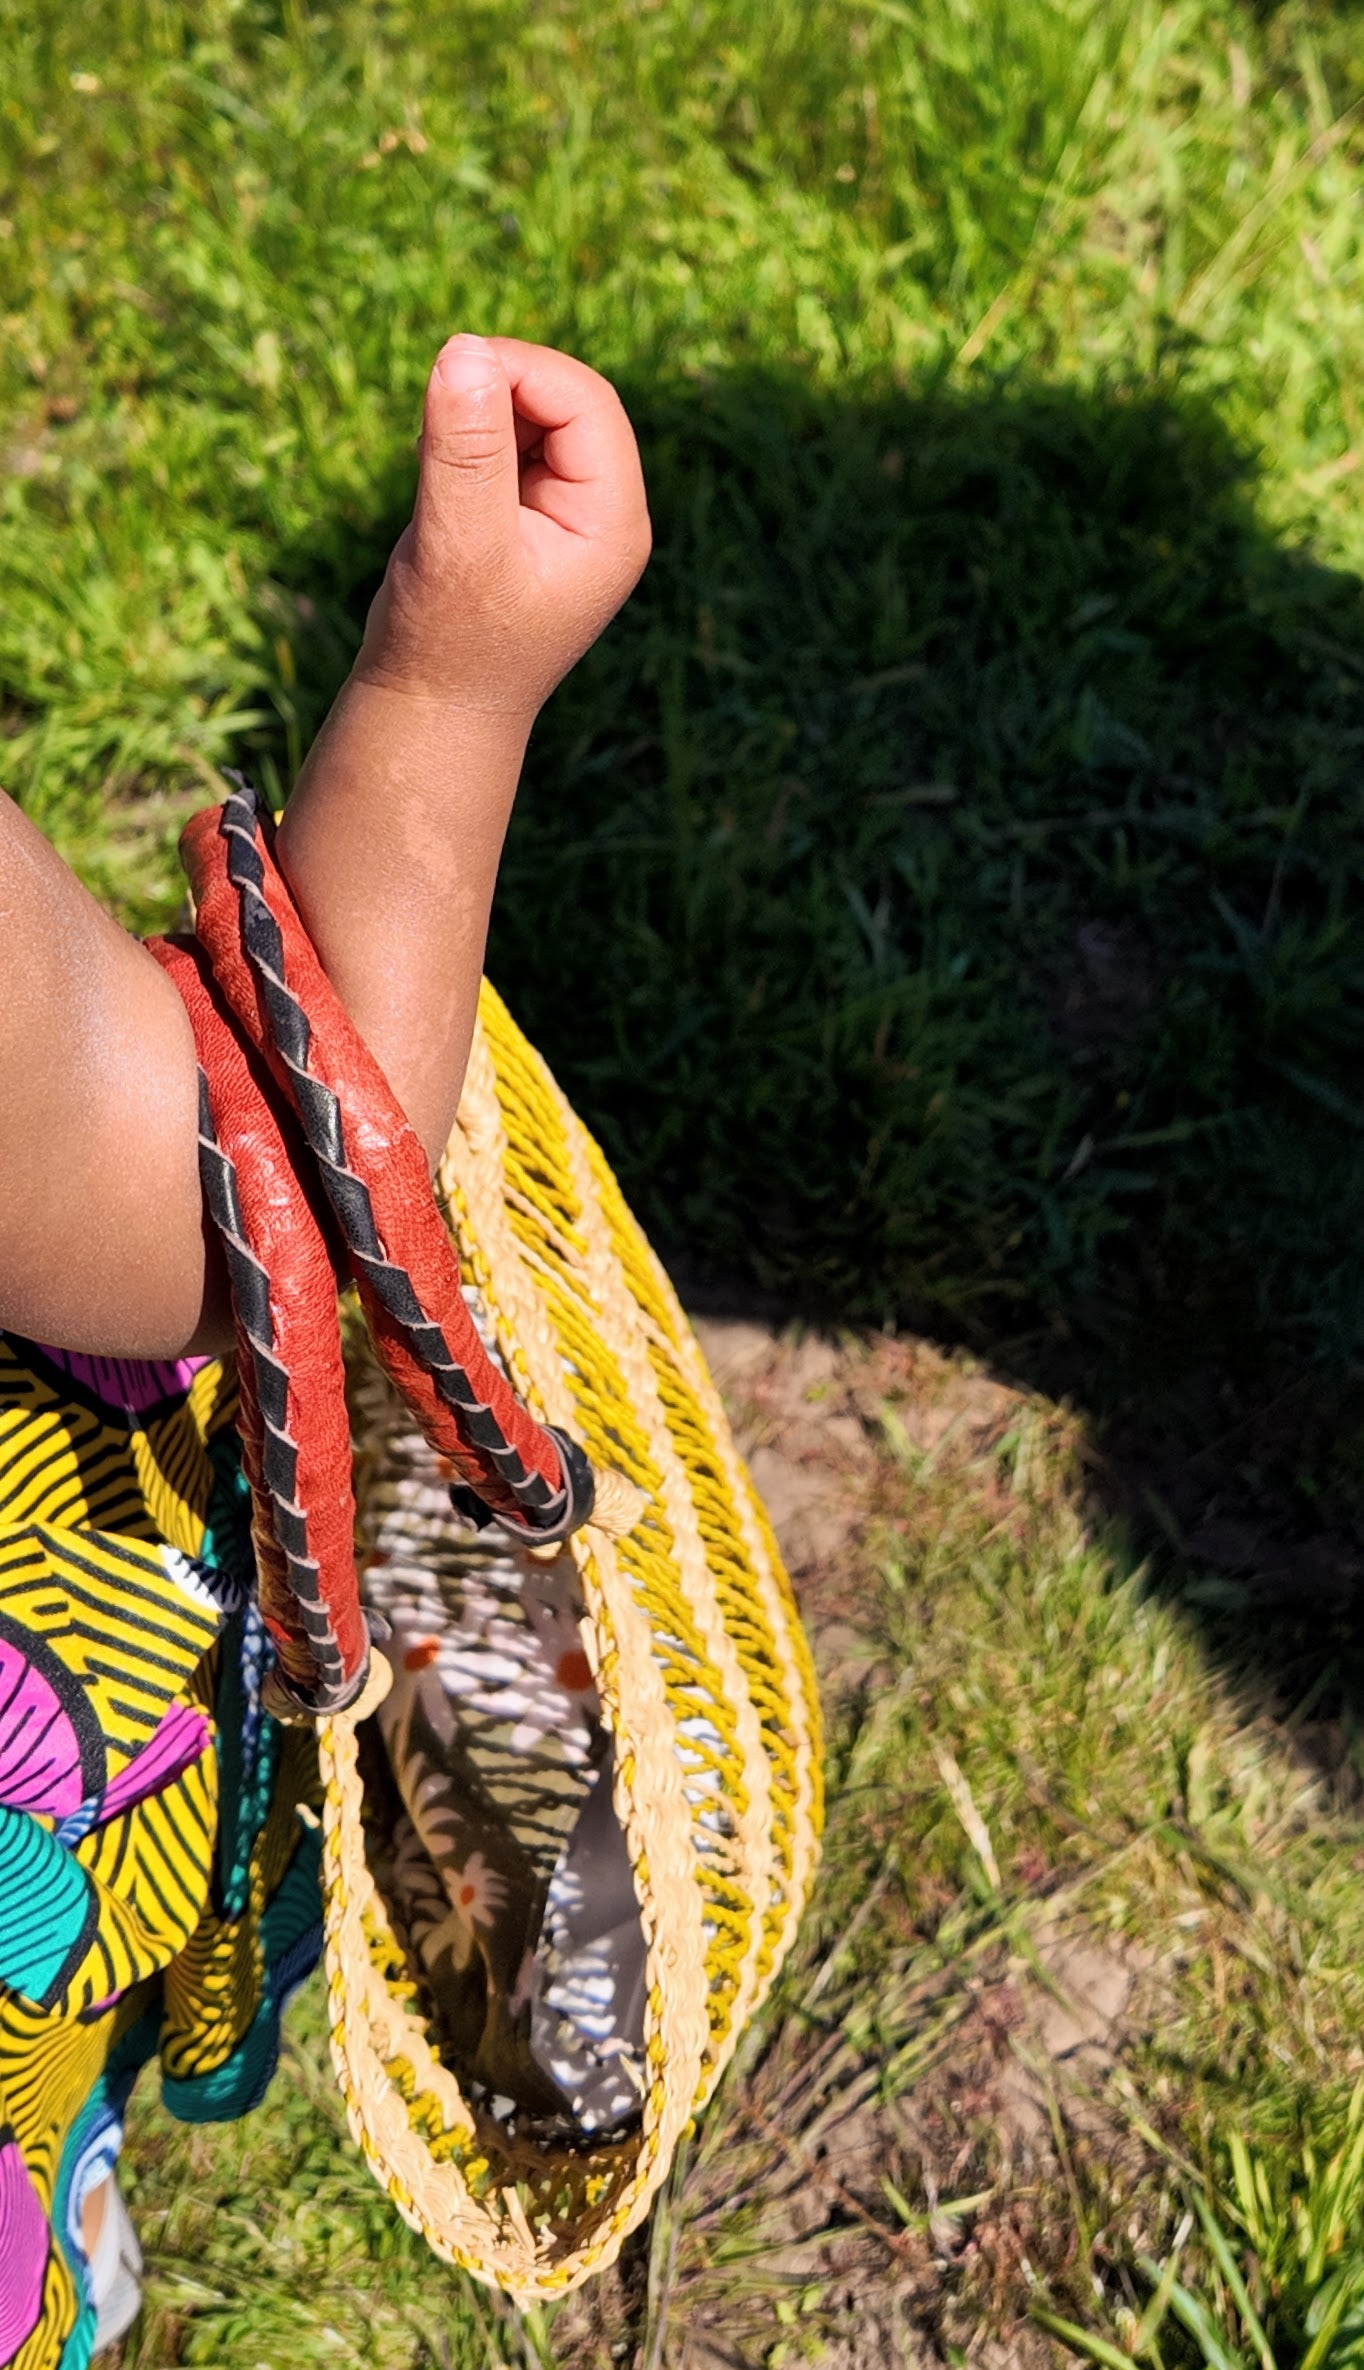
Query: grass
[
  {"x": 1109, "y": 1777},
  {"x": 1040, "y": 1783},
  {"x": 940, "y": 888},
  {"x": 964, "y": 817}
]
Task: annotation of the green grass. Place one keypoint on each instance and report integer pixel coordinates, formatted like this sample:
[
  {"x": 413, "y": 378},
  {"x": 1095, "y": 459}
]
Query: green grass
[
  {"x": 941, "y": 888},
  {"x": 951, "y": 859}
]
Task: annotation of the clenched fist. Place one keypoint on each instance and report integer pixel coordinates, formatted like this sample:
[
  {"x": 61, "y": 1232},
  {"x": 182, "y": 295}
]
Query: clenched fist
[{"x": 530, "y": 529}]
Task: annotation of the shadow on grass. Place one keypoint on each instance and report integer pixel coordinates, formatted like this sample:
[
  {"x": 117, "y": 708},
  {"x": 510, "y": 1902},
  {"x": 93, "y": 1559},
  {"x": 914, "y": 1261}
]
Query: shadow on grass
[{"x": 941, "y": 891}]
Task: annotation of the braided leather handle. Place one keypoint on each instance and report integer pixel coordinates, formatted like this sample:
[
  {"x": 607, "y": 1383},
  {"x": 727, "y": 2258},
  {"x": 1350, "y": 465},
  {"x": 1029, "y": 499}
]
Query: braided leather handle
[
  {"x": 528, "y": 1476},
  {"x": 290, "y": 1378},
  {"x": 281, "y": 1068}
]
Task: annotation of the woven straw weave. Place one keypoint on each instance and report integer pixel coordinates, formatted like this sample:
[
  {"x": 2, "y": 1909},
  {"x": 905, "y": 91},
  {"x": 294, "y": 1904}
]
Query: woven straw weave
[{"x": 704, "y": 1678}]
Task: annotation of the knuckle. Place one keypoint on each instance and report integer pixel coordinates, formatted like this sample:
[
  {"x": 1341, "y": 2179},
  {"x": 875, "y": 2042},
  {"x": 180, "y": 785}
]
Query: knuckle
[
  {"x": 591, "y": 382},
  {"x": 636, "y": 546},
  {"x": 475, "y": 453}
]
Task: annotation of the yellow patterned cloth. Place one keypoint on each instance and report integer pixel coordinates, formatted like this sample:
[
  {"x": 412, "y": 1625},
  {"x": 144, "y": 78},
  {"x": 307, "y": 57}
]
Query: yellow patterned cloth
[{"x": 158, "y": 1889}]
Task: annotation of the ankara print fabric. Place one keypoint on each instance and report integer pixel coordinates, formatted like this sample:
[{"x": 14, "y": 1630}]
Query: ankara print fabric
[{"x": 158, "y": 1892}]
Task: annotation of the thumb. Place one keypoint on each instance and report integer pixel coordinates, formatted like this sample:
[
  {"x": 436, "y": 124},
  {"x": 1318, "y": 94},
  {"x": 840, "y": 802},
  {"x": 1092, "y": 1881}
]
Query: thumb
[{"x": 468, "y": 496}]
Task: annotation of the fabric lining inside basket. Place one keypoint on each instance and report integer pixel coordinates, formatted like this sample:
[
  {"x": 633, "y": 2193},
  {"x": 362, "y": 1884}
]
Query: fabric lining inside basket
[{"x": 498, "y": 1848}]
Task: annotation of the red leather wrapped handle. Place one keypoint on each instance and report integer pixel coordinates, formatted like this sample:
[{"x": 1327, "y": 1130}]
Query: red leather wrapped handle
[
  {"x": 285, "y": 1076},
  {"x": 290, "y": 1378}
]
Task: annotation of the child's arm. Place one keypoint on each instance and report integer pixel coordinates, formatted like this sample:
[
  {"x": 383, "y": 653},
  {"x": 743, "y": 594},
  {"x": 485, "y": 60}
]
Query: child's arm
[
  {"x": 494, "y": 591},
  {"x": 530, "y": 529},
  {"x": 101, "y": 1244}
]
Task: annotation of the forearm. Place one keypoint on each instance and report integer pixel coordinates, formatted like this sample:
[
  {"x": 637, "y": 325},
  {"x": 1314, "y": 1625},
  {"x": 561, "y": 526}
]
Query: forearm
[
  {"x": 530, "y": 528},
  {"x": 390, "y": 843}
]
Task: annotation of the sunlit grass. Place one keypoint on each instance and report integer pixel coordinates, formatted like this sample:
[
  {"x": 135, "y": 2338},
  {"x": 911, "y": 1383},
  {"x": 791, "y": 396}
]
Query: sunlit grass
[{"x": 995, "y": 368}]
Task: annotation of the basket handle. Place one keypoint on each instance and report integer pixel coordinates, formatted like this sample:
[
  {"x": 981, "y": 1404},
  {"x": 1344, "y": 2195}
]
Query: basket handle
[
  {"x": 281, "y": 1068},
  {"x": 530, "y": 1478},
  {"x": 291, "y": 1383}
]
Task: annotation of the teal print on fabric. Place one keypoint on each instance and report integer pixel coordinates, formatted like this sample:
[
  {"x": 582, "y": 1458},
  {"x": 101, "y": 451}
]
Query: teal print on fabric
[{"x": 48, "y": 1909}]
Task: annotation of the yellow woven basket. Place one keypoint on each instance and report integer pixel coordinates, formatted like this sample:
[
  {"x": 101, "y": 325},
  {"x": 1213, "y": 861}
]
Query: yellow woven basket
[{"x": 705, "y": 1684}]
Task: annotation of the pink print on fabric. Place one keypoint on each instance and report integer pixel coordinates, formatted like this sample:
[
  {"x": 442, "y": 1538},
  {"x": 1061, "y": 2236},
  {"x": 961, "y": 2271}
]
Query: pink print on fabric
[
  {"x": 177, "y": 1740},
  {"x": 132, "y": 1385},
  {"x": 41, "y": 1766},
  {"x": 23, "y": 2251},
  {"x": 40, "y": 1755}
]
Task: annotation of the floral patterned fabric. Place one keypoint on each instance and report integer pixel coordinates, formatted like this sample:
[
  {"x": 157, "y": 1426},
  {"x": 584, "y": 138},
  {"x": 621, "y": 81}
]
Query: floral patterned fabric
[{"x": 494, "y": 1839}]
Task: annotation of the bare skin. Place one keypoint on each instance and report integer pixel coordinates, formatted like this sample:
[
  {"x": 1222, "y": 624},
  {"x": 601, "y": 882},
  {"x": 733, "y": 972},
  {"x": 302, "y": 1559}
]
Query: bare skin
[{"x": 530, "y": 529}]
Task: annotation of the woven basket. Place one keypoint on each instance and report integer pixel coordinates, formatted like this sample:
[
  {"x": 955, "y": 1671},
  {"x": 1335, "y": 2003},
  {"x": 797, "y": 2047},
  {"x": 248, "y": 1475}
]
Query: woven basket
[{"x": 705, "y": 1683}]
